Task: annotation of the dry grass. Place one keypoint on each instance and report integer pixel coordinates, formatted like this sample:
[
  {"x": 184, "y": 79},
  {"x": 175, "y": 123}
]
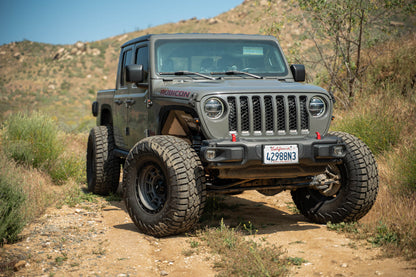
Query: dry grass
[
  {"x": 389, "y": 95},
  {"x": 237, "y": 255},
  {"x": 28, "y": 187}
]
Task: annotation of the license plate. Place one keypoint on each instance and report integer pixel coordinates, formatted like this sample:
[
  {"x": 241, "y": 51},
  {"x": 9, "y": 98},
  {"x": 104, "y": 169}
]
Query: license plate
[{"x": 280, "y": 154}]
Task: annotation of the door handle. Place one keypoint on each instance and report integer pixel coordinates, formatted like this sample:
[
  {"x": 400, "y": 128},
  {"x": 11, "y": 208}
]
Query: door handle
[
  {"x": 118, "y": 102},
  {"x": 129, "y": 102}
]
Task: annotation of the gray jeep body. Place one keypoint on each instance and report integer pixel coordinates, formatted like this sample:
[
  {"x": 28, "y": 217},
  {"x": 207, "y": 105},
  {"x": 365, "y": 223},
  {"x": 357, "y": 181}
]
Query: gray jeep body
[
  {"x": 232, "y": 107},
  {"x": 173, "y": 105}
]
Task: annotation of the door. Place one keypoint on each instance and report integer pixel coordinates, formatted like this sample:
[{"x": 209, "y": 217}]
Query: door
[
  {"x": 136, "y": 102},
  {"x": 120, "y": 107}
]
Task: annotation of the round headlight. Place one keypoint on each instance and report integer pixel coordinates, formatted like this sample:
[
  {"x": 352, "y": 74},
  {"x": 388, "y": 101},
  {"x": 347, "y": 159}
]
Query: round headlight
[
  {"x": 317, "y": 106},
  {"x": 214, "y": 108}
]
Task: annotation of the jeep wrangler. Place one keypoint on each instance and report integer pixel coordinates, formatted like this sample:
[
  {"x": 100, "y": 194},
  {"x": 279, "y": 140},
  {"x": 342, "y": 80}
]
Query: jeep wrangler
[{"x": 193, "y": 114}]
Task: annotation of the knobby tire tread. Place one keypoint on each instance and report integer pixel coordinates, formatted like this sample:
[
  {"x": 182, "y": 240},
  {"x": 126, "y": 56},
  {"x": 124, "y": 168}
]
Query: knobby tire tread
[
  {"x": 187, "y": 185},
  {"x": 107, "y": 165},
  {"x": 358, "y": 192}
]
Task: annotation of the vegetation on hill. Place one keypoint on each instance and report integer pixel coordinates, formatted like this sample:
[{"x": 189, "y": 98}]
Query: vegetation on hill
[{"x": 61, "y": 81}]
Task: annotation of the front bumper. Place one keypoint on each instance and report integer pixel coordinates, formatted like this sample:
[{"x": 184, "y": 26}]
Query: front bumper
[{"x": 243, "y": 159}]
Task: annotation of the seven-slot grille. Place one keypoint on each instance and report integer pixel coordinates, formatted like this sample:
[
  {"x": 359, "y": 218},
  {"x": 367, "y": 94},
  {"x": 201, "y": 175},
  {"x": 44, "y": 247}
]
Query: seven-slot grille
[{"x": 268, "y": 115}]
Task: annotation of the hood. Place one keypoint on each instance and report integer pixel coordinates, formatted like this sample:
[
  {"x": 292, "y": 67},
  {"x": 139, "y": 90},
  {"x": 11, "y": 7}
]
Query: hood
[{"x": 199, "y": 89}]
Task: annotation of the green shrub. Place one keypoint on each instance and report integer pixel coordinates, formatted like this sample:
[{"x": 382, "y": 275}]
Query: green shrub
[
  {"x": 379, "y": 131},
  {"x": 405, "y": 167},
  {"x": 383, "y": 235},
  {"x": 12, "y": 200},
  {"x": 66, "y": 168},
  {"x": 32, "y": 140},
  {"x": 243, "y": 257}
]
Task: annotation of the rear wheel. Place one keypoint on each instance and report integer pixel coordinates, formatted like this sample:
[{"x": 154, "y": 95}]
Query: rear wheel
[
  {"x": 163, "y": 186},
  {"x": 103, "y": 168},
  {"x": 355, "y": 195}
]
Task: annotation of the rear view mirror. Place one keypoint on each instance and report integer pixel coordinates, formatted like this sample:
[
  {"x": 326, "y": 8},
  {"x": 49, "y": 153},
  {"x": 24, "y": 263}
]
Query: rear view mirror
[{"x": 298, "y": 71}]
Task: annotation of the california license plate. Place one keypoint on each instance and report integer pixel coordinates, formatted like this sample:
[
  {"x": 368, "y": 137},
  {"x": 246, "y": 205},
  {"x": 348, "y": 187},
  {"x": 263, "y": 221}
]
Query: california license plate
[{"x": 280, "y": 154}]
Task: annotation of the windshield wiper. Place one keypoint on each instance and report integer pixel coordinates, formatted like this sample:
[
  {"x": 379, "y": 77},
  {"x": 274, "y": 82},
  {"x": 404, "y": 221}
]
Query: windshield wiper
[
  {"x": 188, "y": 73},
  {"x": 234, "y": 72}
]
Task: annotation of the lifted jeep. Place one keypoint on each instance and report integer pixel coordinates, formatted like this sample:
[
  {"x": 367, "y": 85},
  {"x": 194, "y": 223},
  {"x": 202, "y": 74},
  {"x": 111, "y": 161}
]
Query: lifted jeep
[{"x": 221, "y": 113}]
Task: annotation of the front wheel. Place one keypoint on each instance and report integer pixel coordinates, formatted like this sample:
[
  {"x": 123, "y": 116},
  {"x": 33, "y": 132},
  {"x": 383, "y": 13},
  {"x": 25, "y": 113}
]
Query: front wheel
[
  {"x": 355, "y": 195},
  {"x": 163, "y": 186}
]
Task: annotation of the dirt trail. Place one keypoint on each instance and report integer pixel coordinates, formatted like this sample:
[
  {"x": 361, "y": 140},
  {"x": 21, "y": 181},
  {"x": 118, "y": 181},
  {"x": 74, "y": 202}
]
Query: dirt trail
[{"x": 96, "y": 240}]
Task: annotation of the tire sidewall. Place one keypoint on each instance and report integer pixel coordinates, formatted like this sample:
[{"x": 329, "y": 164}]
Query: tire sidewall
[
  {"x": 359, "y": 186},
  {"x": 91, "y": 163},
  {"x": 184, "y": 183},
  {"x": 103, "y": 168},
  {"x": 130, "y": 193}
]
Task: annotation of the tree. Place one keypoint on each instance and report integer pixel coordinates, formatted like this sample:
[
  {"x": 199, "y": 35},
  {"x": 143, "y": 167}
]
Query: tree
[
  {"x": 340, "y": 30},
  {"x": 347, "y": 26}
]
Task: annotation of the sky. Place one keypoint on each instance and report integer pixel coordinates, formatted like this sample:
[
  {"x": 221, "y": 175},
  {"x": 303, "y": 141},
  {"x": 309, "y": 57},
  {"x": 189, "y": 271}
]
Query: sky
[{"x": 69, "y": 21}]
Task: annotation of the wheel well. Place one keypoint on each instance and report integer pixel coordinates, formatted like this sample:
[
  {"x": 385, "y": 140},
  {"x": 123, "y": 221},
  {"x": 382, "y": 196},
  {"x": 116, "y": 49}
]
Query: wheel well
[
  {"x": 180, "y": 122},
  {"x": 106, "y": 117}
]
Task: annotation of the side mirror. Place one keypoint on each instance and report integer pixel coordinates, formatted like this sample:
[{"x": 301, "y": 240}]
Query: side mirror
[
  {"x": 134, "y": 73},
  {"x": 298, "y": 71}
]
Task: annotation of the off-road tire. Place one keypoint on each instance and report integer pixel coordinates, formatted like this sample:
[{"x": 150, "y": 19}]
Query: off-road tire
[
  {"x": 163, "y": 186},
  {"x": 103, "y": 168},
  {"x": 358, "y": 191}
]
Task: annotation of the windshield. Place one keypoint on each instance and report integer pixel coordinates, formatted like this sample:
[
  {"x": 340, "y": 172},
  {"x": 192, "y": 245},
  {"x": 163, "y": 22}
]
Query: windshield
[{"x": 220, "y": 56}]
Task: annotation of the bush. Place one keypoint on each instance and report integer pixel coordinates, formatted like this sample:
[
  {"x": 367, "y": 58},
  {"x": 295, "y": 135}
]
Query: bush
[
  {"x": 406, "y": 168},
  {"x": 403, "y": 164},
  {"x": 12, "y": 199},
  {"x": 32, "y": 140},
  {"x": 243, "y": 257},
  {"x": 379, "y": 131},
  {"x": 68, "y": 167}
]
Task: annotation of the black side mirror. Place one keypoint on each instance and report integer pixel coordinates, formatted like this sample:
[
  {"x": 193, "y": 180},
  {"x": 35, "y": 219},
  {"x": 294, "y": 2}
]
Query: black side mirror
[
  {"x": 134, "y": 73},
  {"x": 298, "y": 71}
]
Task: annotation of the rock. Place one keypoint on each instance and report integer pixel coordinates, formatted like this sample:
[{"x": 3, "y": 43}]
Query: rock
[
  {"x": 122, "y": 38},
  {"x": 80, "y": 45},
  {"x": 344, "y": 265},
  {"x": 19, "y": 265},
  {"x": 212, "y": 21},
  {"x": 59, "y": 54},
  {"x": 19, "y": 56},
  {"x": 95, "y": 52},
  {"x": 396, "y": 24},
  {"x": 163, "y": 273}
]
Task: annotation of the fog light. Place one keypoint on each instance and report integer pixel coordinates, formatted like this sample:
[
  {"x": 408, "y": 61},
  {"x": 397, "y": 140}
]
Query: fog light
[
  {"x": 338, "y": 151},
  {"x": 210, "y": 154}
]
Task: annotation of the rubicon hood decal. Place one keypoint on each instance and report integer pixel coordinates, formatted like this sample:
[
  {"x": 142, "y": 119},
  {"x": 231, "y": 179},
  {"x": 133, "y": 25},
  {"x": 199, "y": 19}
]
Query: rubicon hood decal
[{"x": 175, "y": 93}]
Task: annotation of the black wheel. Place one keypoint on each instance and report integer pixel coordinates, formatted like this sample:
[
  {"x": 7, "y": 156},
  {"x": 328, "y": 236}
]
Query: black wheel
[
  {"x": 103, "y": 168},
  {"x": 355, "y": 194},
  {"x": 163, "y": 186}
]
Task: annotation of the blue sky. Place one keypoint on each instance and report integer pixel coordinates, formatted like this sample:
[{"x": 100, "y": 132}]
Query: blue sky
[{"x": 69, "y": 21}]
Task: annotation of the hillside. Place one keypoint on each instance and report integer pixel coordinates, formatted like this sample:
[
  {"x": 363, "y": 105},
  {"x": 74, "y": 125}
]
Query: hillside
[
  {"x": 62, "y": 80},
  {"x": 86, "y": 234}
]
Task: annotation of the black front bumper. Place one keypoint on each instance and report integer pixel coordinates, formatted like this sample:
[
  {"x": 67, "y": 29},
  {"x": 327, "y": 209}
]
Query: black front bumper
[{"x": 243, "y": 159}]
